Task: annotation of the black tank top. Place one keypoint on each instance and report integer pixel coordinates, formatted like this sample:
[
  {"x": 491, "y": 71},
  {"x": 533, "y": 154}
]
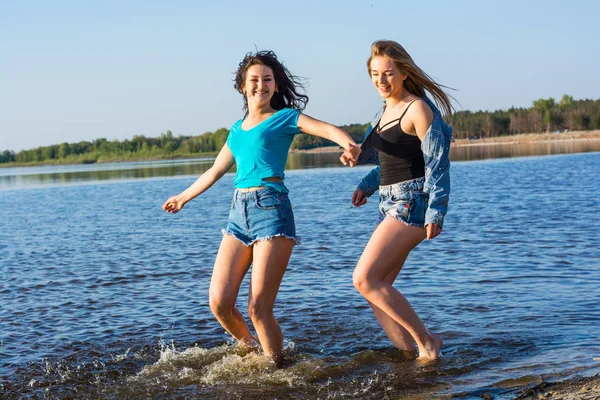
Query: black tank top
[{"x": 400, "y": 155}]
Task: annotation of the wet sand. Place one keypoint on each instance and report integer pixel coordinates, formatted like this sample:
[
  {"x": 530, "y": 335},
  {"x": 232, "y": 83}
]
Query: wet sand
[{"x": 572, "y": 389}]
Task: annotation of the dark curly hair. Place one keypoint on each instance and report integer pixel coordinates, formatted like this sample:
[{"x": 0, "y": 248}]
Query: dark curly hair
[{"x": 287, "y": 95}]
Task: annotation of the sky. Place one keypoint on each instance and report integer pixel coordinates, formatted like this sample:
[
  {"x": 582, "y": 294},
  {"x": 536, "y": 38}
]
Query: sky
[{"x": 83, "y": 70}]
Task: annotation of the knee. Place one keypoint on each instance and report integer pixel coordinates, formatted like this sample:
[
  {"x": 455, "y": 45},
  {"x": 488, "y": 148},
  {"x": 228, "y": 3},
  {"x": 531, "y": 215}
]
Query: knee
[
  {"x": 361, "y": 281},
  {"x": 220, "y": 306},
  {"x": 259, "y": 309}
]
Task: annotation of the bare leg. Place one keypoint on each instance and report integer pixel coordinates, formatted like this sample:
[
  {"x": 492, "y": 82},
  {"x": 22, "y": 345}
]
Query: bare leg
[
  {"x": 271, "y": 258},
  {"x": 390, "y": 244},
  {"x": 232, "y": 263},
  {"x": 399, "y": 336}
]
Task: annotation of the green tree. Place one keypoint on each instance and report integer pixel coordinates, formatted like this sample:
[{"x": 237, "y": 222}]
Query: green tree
[
  {"x": 566, "y": 101},
  {"x": 545, "y": 106},
  {"x": 64, "y": 150},
  {"x": 7, "y": 156}
]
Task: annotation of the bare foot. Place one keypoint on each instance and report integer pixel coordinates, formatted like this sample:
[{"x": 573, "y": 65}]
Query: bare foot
[
  {"x": 409, "y": 354},
  {"x": 277, "y": 361},
  {"x": 249, "y": 344},
  {"x": 432, "y": 348}
]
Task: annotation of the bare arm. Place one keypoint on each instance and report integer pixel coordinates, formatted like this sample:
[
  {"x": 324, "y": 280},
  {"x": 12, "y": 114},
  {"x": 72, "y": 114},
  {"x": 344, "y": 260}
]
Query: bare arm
[
  {"x": 421, "y": 118},
  {"x": 331, "y": 132},
  {"x": 222, "y": 164}
]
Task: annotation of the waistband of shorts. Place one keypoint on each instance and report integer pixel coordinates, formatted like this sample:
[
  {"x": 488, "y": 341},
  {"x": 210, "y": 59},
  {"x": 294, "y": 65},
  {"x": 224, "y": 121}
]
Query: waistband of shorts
[
  {"x": 255, "y": 194},
  {"x": 413, "y": 184}
]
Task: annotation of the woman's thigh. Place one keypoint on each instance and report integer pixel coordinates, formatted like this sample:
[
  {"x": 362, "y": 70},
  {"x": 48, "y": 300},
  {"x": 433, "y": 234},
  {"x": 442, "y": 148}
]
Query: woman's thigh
[
  {"x": 269, "y": 264},
  {"x": 387, "y": 250},
  {"x": 232, "y": 264}
]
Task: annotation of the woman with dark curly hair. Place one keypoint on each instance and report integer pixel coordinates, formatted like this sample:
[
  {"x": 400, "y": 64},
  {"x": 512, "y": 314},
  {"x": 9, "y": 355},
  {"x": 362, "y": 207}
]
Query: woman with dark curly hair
[{"x": 261, "y": 230}]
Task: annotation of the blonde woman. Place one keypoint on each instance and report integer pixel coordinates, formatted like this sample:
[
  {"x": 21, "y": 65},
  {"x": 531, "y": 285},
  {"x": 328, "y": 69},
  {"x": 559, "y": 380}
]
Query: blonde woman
[{"x": 410, "y": 143}]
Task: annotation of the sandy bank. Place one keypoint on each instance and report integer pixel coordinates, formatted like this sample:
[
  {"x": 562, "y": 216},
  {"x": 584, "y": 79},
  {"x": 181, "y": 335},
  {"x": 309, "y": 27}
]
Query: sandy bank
[
  {"x": 573, "y": 389},
  {"x": 530, "y": 138},
  {"x": 514, "y": 139}
]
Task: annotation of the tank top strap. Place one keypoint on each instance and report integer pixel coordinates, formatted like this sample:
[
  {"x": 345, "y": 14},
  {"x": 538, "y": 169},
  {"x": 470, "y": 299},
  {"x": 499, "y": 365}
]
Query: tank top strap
[
  {"x": 388, "y": 123},
  {"x": 406, "y": 109}
]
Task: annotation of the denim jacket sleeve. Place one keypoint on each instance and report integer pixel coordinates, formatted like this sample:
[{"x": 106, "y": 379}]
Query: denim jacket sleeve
[
  {"x": 370, "y": 183},
  {"x": 436, "y": 151}
]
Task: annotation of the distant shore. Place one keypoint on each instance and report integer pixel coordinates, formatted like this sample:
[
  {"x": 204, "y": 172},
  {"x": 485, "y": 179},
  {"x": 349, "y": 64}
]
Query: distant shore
[
  {"x": 531, "y": 137},
  {"x": 513, "y": 139}
]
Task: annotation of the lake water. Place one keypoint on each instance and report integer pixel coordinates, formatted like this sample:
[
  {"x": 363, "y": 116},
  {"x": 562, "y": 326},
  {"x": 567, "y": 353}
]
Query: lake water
[
  {"x": 104, "y": 295},
  {"x": 14, "y": 178}
]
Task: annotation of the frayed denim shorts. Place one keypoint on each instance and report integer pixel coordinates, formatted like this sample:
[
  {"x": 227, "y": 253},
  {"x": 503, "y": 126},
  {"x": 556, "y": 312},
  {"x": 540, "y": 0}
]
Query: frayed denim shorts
[
  {"x": 404, "y": 201},
  {"x": 261, "y": 215}
]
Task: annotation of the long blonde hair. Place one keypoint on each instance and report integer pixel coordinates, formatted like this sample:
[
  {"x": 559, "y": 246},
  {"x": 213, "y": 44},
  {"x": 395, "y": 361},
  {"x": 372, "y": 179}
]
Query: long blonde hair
[{"x": 417, "y": 80}]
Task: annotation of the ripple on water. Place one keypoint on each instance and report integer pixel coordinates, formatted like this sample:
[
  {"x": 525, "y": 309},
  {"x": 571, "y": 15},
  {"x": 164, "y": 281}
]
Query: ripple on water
[{"x": 88, "y": 293}]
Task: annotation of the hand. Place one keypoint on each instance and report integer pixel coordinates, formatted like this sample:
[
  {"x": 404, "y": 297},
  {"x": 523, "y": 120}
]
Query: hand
[
  {"x": 358, "y": 198},
  {"x": 433, "y": 230},
  {"x": 173, "y": 205},
  {"x": 350, "y": 156}
]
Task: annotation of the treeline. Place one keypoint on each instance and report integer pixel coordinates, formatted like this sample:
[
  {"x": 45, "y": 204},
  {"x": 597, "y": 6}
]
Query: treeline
[
  {"x": 545, "y": 115},
  {"x": 357, "y": 131},
  {"x": 141, "y": 147}
]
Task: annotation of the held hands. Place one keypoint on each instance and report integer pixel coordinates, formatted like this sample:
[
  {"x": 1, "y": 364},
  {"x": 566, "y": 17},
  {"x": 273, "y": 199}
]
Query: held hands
[
  {"x": 433, "y": 230},
  {"x": 350, "y": 156},
  {"x": 173, "y": 205}
]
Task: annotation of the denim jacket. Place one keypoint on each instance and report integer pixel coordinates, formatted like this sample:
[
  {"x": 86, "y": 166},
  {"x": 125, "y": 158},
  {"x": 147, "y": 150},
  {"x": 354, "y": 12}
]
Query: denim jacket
[{"x": 436, "y": 148}]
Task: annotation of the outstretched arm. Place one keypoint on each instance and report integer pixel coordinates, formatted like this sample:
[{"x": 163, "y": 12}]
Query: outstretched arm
[
  {"x": 222, "y": 164},
  {"x": 322, "y": 129}
]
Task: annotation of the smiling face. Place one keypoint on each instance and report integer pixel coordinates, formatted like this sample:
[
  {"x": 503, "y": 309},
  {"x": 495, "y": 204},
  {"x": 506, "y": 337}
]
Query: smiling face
[
  {"x": 259, "y": 84},
  {"x": 386, "y": 77}
]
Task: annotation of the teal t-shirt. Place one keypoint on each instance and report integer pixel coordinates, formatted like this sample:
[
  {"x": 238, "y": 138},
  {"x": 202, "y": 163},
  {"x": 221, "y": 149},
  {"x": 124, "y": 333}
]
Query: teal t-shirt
[{"x": 261, "y": 152}]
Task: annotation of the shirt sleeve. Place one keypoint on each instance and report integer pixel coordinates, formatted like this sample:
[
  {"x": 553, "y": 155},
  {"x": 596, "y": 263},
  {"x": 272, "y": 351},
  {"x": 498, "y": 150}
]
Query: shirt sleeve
[
  {"x": 229, "y": 140},
  {"x": 291, "y": 122}
]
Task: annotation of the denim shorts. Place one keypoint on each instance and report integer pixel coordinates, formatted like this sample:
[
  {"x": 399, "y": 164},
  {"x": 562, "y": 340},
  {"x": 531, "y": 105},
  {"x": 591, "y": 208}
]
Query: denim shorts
[
  {"x": 261, "y": 215},
  {"x": 404, "y": 201}
]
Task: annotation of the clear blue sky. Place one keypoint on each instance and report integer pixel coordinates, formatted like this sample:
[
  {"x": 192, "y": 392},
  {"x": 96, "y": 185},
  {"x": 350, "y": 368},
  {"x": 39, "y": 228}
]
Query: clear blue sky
[{"x": 82, "y": 70}]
